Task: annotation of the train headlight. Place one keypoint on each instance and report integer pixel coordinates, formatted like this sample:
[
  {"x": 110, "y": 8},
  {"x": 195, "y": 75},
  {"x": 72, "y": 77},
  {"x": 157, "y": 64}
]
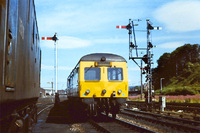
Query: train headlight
[
  {"x": 104, "y": 91},
  {"x": 119, "y": 91},
  {"x": 87, "y": 91}
]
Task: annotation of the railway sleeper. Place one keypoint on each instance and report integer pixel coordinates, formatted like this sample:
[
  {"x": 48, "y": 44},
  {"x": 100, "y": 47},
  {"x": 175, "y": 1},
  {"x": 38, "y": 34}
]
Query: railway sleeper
[{"x": 164, "y": 123}]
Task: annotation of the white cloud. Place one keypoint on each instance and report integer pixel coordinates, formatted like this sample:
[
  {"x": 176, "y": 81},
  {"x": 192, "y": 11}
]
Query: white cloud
[
  {"x": 66, "y": 42},
  {"x": 170, "y": 45},
  {"x": 180, "y": 16}
]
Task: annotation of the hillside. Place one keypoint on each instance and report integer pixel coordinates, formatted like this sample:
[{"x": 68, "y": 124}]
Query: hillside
[{"x": 181, "y": 70}]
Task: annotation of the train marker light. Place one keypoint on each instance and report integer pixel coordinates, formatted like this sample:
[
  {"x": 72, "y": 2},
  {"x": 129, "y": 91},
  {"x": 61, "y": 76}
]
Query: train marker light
[
  {"x": 104, "y": 91},
  {"x": 119, "y": 91},
  {"x": 87, "y": 91}
]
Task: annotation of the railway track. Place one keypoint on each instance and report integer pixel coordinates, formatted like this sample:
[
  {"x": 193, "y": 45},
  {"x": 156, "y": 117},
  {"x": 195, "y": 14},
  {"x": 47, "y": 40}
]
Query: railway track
[
  {"x": 64, "y": 118},
  {"x": 182, "y": 110},
  {"x": 109, "y": 125},
  {"x": 44, "y": 108},
  {"x": 186, "y": 107},
  {"x": 165, "y": 121},
  {"x": 52, "y": 118}
]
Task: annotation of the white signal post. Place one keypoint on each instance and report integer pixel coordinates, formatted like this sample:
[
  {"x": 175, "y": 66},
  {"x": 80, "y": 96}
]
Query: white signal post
[
  {"x": 54, "y": 38},
  {"x": 56, "y": 65}
]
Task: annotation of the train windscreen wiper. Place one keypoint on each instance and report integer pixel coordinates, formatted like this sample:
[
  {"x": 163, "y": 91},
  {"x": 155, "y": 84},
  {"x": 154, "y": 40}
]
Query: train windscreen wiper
[{"x": 88, "y": 69}]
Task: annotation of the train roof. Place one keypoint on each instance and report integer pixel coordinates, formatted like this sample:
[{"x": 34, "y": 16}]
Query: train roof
[{"x": 107, "y": 57}]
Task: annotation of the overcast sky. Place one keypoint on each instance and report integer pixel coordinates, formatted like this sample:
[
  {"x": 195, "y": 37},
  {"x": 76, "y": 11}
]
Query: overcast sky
[{"x": 89, "y": 26}]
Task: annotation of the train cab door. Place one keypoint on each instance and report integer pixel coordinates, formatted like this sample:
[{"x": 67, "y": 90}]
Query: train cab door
[{"x": 10, "y": 46}]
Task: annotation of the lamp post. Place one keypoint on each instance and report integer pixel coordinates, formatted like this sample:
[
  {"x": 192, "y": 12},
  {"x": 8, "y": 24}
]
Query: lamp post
[{"x": 161, "y": 83}]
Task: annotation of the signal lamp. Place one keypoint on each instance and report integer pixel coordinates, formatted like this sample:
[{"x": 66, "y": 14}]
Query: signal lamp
[
  {"x": 150, "y": 26},
  {"x": 132, "y": 45},
  {"x": 145, "y": 59},
  {"x": 150, "y": 45}
]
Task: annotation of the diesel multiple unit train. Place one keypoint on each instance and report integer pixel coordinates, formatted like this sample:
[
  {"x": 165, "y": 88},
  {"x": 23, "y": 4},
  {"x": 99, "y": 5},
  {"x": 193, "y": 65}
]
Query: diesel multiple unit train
[
  {"x": 99, "y": 81},
  {"x": 20, "y": 63}
]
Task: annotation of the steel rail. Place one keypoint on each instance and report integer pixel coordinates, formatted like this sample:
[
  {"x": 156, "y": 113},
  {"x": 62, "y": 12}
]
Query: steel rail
[
  {"x": 185, "y": 121},
  {"x": 191, "y": 107},
  {"x": 162, "y": 122},
  {"x": 98, "y": 127},
  {"x": 131, "y": 125},
  {"x": 44, "y": 109}
]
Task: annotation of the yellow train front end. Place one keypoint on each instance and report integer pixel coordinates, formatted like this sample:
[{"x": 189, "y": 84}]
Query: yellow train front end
[
  {"x": 103, "y": 79},
  {"x": 99, "y": 81},
  {"x": 103, "y": 83}
]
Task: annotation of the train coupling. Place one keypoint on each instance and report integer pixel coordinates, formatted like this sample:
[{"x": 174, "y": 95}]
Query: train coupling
[{"x": 113, "y": 94}]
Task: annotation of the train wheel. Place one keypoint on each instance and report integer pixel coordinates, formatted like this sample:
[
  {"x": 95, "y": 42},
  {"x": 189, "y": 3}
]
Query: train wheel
[
  {"x": 95, "y": 109},
  {"x": 114, "y": 109},
  {"x": 35, "y": 116},
  {"x": 114, "y": 115},
  {"x": 107, "y": 109},
  {"x": 99, "y": 110},
  {"x": 92, "y": 110}
]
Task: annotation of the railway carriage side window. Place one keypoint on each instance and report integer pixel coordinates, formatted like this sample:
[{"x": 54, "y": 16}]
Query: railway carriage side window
[
  {"x": 115, "y": 74},
  {"x": 92, "y": 73},
  {"x": 33, "y": 31}
]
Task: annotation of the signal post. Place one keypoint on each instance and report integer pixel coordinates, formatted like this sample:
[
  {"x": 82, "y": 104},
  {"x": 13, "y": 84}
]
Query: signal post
[
  {"x": 147, "y": 58},
  {"x": 54, "y": 38}
]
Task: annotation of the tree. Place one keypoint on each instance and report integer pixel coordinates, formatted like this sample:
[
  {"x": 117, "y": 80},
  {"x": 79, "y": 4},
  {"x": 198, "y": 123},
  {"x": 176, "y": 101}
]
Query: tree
[{"x": 176, "y": 64}]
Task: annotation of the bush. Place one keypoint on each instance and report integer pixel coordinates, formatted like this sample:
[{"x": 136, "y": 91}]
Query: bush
[{"x": 179, "y": 91}]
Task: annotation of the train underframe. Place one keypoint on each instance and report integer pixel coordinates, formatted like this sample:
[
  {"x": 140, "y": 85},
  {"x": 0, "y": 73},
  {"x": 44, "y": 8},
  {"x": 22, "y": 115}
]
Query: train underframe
[
  {"x": 96, "y": 106},
  {"x": 18, "y": 116}
]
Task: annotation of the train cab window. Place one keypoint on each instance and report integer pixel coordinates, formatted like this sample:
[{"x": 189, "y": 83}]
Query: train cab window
[
  {"x": 92, "y": 73},
  {"x": 115, "y": 74}
]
